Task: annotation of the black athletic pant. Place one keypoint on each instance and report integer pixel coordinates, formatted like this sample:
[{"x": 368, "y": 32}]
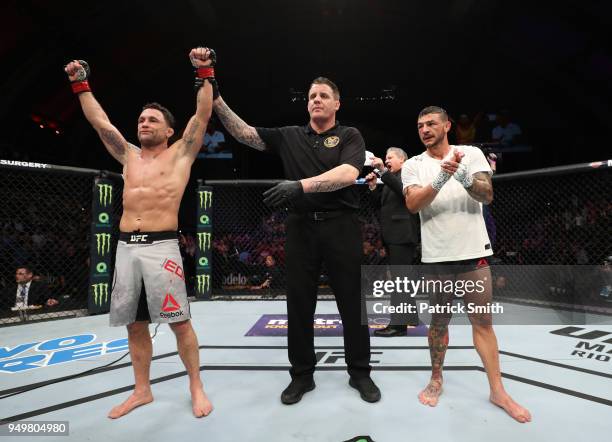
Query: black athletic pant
[
  {"x": 337, "y": 243},
  {"x": 402, "y": 255}
]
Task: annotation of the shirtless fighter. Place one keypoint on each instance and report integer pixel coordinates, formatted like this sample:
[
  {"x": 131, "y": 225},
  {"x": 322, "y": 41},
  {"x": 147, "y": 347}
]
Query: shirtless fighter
[{"x": 155, "y": 177}]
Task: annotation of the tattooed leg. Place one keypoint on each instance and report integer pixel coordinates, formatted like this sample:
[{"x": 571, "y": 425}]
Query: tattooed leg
[{"x": 438, "y": 343}]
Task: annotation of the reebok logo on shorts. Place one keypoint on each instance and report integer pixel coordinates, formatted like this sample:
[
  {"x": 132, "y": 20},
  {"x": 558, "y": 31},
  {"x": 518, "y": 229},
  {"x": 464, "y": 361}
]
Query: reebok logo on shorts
[
  {"x": 482, "y": 263},
  {"x": 170, "y": 308}
]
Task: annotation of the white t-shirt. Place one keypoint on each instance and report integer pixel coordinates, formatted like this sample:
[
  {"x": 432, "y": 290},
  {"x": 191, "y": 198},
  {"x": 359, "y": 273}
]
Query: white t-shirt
[{"x": 452, "y": 226}]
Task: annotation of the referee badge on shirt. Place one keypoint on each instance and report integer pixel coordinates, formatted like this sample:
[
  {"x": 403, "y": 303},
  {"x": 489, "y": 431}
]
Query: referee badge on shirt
[{"x": 331, "y": 141}]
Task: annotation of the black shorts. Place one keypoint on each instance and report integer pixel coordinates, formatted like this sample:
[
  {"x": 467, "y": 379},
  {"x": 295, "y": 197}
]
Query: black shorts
[{"x": 455, "y": 267}]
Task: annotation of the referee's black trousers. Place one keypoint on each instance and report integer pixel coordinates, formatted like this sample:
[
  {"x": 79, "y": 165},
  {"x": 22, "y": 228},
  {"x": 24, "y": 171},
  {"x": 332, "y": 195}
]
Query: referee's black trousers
[{"x": 336, "y": 242}]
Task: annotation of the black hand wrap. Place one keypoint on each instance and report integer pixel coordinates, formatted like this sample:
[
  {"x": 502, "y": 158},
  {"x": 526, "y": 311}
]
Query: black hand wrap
[{"x": 208, "y": 73}]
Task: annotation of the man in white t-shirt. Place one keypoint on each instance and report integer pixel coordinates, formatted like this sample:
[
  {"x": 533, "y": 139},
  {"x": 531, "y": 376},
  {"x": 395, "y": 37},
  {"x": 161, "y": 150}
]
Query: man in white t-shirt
[{"x": 447, "y": 186}]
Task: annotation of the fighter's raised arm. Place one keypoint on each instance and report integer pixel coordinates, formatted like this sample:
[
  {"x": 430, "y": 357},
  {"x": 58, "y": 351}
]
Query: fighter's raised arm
[
  {"x": 203, "y": 60},
  {"x": 115, "y": 143}
]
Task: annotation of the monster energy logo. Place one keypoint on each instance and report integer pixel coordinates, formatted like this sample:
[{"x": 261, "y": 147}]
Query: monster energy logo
[
  {"x": 203, "y": 283},
  {"x": 103, "y": 243},
  {"x": 100, "y": 293},
  {"x": 205, "y": 199},
  {"x": 204, "y": 240},
  {"x": 105, "y": 193}
]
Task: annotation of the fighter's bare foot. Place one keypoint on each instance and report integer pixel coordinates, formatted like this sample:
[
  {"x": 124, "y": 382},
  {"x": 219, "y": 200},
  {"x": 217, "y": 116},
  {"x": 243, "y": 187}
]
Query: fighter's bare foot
[
  {"x": 200, "y": 403},
  {"x": 135, "y": 400},
  {"x": 431, "y": 393},
  {"x": 503, "y": 400}
]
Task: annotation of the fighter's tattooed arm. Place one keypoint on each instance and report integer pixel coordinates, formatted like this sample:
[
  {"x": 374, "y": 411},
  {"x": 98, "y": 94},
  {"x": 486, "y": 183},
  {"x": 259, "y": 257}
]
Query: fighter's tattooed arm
[
  {"x": 482, "y": 188},
  {"x": 114, "y": 142},
  {"x": 334, "y": 179},
  {"x": 418, "y": 197},
  {"x": 193, "y": 135},
  {"x": 237, "y": 127}
]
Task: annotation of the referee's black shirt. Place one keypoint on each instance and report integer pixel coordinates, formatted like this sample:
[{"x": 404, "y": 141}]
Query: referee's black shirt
[{"x": 305, "y": 154}]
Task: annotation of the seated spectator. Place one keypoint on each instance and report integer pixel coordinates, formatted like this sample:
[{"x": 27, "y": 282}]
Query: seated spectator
[
  {"x": 27, "y": 291},
  {"x": 506, "y": 132},
  {"x": 465, "y": 129},
  {"x": 271, "y": 276}
]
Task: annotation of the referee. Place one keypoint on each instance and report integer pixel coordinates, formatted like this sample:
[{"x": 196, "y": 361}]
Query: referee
[{"x": 322, "y": 159}]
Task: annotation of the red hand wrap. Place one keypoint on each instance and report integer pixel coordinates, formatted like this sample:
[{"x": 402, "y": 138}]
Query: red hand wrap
[
  {"x": 205, "y": 73},
  {"x": 80, "y": 86}
]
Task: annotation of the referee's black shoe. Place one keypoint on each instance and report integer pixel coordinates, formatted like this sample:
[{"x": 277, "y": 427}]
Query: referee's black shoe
[
  {"x": 296, "y": 389},
  {"x": 391, "y": 330},
  {"x": 366, "y": 387}
]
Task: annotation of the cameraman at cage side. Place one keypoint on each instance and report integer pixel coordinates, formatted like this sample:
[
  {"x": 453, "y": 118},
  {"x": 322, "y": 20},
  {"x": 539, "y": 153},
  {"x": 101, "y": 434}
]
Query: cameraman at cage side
[{"x": 399, "y": 230}]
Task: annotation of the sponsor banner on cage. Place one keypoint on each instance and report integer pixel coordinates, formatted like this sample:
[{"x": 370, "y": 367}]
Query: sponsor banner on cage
[
  {"x": 473, "y": 291},
  {"x": 203, "y": 256},
  {"x": 323, "y": 325},
  {"x": 100, "y": 246}
]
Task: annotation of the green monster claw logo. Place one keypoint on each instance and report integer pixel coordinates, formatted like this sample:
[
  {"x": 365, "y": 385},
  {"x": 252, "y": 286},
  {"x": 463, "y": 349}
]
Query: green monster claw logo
[
  {"x": 100, "y": 292},
  {"x": 105, "y": 194},
  {"x": 204, "y": 240},
  {"x": 205, "y": 199},
  {"x": 103, "y": 243},
  {"x": 203, "y": 283}
]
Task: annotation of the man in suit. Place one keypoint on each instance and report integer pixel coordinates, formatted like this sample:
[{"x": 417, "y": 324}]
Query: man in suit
[
  {"x": 399, "y": 228},
  {"x": 27, "y": 291}
]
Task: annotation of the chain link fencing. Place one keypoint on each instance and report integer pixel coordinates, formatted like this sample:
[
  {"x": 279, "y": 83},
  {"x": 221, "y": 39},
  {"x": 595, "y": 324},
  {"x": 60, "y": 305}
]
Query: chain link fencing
[
  {"x": 46, "y": 217},
  {"x": 557, "y": 216}
]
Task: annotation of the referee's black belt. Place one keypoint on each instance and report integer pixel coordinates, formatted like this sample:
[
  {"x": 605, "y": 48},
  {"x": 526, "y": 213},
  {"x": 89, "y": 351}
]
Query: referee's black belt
[{"x": 323, "y": 216}]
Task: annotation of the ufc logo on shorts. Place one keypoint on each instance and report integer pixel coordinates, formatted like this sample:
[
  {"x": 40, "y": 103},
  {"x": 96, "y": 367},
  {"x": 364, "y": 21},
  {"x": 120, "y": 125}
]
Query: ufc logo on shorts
[
  {"x": 138, "y": 238},
  {"x": 173, "y": 267}
]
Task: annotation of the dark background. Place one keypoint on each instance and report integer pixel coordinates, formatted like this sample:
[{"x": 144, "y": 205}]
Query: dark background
[{"x": 549, "y": 63}]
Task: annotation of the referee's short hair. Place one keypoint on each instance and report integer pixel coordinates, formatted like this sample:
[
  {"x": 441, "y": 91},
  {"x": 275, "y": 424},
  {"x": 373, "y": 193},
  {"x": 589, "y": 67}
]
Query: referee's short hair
[{"x": 328, "y": 82}]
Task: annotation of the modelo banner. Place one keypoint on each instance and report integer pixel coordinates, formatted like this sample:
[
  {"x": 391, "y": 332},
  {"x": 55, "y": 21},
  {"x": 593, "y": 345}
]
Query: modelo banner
[
  {"x": 203, "y": 278},
  {"x": 100, "y": 247}
]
